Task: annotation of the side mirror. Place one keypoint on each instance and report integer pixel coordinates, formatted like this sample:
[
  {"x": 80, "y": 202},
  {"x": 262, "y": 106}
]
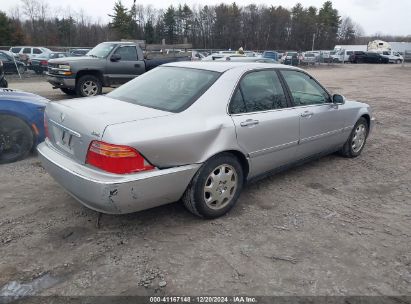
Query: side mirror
[
  {"x": 115, "y": 57},
  {"x": 338, "y": 99}
]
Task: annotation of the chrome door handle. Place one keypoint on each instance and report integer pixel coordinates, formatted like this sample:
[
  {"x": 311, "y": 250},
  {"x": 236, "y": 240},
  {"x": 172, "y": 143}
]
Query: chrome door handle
[
  {"x": 307, "y": 114},
  {"x": 249, "y": 122}
]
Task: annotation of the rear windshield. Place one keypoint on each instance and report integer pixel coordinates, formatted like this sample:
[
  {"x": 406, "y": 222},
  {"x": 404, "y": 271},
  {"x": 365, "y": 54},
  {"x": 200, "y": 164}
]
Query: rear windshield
[{"x": 169, "y": 89}]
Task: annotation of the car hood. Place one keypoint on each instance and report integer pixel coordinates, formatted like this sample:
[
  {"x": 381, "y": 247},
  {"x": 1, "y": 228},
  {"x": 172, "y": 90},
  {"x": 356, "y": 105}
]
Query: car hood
[
  {"x": 73, "y": 59},
  {"x": 23, "y": 97}
]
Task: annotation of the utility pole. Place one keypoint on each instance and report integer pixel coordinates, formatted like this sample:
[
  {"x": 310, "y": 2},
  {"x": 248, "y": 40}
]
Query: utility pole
[{"x": 312, "y": 49}]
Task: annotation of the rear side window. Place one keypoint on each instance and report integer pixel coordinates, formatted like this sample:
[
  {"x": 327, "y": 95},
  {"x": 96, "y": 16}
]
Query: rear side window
[
  {"x": 27, "y": 51},
  {"x": 15, "y": 49},
  {"x": 37, "y": 51},
  {"x": 304, "y": 89},
  {"x": 258, "y": 91},
  {"x": 3, "y": 57}
]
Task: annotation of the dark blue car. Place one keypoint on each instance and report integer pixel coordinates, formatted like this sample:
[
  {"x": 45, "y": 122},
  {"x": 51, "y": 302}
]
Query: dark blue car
[{"x": 21, "y": 124}]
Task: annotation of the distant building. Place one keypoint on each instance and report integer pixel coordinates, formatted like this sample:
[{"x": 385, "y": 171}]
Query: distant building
[{"x": 400, "y": 47}]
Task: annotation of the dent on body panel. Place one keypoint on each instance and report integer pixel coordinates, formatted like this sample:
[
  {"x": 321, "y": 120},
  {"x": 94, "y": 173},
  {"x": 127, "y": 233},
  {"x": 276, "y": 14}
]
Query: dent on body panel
[{"x": 109, "y": 195}]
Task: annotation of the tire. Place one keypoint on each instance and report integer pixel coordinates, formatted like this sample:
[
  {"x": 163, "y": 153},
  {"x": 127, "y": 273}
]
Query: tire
[
  {"x": 38, "y": 71},
  {"x": 68, "y": 91},
  {"x": 88, "y": 85},
  {"x": 357, "y": 137},
  {"x": 3, "y": 83},
  {"x": 398, "y": 61},
  {"x": 201, "y": 187},
  {"x": 16, "y": 139}
]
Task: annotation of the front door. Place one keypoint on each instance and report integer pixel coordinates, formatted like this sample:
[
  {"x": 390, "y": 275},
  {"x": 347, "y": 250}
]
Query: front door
[
  {"x": 321, "y": 122},
  {"x": 128, "y": 67},
  {"x": 267, "y": 128}
]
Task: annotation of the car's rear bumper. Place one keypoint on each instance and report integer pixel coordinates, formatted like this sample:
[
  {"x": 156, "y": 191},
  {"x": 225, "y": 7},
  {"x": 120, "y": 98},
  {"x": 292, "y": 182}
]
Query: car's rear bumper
[
  {"x": 113, "y": 193},
  {"x": 61, "y": 82}
]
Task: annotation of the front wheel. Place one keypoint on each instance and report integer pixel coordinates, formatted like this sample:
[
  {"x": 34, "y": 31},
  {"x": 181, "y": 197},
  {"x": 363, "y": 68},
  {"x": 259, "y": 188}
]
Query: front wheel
[
  {"x": 356, "y": 142},
  {"x": 16, "y": 139},
  {"x": 215, "y": 188},
  {"x": 398, "y": 61},
  {"x": 88, "y": 85}
]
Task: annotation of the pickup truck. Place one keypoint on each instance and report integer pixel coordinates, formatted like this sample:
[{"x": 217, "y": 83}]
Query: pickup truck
[{"x": 108, "y": 64}]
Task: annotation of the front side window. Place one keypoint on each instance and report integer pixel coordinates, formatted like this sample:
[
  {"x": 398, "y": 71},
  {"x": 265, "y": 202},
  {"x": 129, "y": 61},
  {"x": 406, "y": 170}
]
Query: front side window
[
  {"x": 171, "y": 89},
  {"x": 37, "y": 51},
  {"x": 304, "y": 89},
  {"x": 102, "y": 50},
  {"x": 3, "y": 57},
  {"x": 258, "y": 91},
  {"x": 127, "y": 53}
]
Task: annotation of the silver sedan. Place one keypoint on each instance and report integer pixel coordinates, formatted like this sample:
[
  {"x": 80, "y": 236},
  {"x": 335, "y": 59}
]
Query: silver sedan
[{"x": 196, "y": 132}]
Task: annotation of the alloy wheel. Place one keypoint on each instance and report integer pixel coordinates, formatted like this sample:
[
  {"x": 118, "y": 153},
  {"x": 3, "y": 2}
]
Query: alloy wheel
[
  {"x": 220, "y": 187},
  {"x": 358, "y": 139},
  {"x": 89, "y": 88}
]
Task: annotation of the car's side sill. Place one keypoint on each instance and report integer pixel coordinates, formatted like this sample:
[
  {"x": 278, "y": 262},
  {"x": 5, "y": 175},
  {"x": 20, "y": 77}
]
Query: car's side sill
[{"x": 291, "y": 165}]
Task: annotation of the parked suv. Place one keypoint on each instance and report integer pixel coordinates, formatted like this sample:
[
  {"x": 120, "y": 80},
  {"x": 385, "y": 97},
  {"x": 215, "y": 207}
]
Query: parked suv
[
  {"x": 367, "y": 57},
  {"x": 28, "y": 52}
]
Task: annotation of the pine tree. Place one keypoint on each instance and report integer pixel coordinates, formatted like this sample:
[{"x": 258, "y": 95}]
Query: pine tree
[{"x": 121, "y": 21}]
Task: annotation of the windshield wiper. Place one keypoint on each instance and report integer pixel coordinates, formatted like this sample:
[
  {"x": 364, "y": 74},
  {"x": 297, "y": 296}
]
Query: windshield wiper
[{"x": 91, "y": 55}]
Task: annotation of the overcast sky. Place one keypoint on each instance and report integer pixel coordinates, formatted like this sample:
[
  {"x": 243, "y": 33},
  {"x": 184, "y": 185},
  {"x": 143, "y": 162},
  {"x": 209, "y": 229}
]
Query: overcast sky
[{"x": 375, "y": 16}]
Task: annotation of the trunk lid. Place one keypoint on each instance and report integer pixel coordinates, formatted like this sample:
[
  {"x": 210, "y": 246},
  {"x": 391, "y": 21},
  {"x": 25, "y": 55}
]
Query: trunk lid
[{"x": 74, "y": 123}]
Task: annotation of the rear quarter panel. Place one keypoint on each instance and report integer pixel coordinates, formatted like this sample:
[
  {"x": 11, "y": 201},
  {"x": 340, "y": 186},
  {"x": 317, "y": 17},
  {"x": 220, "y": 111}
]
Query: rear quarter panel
[{"x": 188, "y": 137}]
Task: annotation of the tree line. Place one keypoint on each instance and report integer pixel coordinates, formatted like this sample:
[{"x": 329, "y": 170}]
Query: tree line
[{"x": 221, "y": 26}]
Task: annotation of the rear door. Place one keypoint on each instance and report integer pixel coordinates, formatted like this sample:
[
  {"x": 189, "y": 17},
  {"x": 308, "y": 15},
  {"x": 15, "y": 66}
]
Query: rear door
[
  {"x": 267, "y": 128},
  {"x": 128, "y": 67},
  {"x": 321, "y": 122}
]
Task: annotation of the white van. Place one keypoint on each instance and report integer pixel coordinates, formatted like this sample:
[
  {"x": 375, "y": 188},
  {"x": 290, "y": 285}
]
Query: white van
[
  {"x": 342, "y": 56},
  {"x": 393, "y": 56}
]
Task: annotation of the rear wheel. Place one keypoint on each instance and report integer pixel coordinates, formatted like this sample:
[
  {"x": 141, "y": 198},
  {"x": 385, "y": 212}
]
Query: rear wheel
[
  {"x": 88, "y": 85},
  {"x": 68, "y": 91},
  {"x": 356, "y": 142},
  {"x": 38, "y": 71},
  {"x": 16, "y": 139},
  {"x": 215, "y": 188},
  {"x": 3, "y": 83},
  {"x": 398, "y": 61}
]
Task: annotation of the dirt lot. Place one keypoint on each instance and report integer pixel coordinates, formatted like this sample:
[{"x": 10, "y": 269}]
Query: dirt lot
[{"x": 332, "y": 227}]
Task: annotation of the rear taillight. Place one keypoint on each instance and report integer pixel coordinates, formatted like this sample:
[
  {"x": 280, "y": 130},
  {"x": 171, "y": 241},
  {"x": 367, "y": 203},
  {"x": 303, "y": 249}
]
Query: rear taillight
[
  {"x": 46, "y": 126},
  {"x": 43, "y": 62},
  {"x": 115, "y": 158}
]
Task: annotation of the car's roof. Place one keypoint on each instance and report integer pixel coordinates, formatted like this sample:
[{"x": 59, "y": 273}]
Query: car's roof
[{"x": 222, "y": 66}]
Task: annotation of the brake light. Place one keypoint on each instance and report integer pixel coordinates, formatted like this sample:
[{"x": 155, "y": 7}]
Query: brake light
[
  {"x": 46, "y": 126},
  {"x": 115, "y": 158},
  {"x": 43, "y": 62}
]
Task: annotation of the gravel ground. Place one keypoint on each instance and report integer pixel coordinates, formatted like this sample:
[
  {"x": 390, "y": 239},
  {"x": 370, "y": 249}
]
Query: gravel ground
[{"x": 334, "y": 226}]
